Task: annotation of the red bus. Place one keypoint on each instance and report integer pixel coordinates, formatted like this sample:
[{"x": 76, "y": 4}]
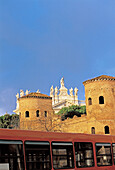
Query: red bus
[{"x": 33, "y": 150}]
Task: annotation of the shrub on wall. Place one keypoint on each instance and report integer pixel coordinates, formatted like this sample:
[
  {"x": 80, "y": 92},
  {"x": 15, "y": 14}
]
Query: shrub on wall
[{"x": 70, "y": 111}]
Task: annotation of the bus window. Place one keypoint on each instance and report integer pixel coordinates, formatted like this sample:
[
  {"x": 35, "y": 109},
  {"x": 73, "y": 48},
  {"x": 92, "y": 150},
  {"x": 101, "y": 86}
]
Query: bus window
[
  {"x": 37, "y": 155},
  {"x": 11, "y": 155},
  {"x": 103, "y": 154},
  {"x": 113, "y": 152},
  {"x": 62, "y": 155},
  {"x": 84, "y": 154}
]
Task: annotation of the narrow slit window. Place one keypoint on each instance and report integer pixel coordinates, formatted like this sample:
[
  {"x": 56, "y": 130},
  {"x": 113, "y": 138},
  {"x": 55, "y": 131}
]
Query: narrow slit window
[
  {"x": 37, "y": 113},
  {"x": 27, "y": 114},
  {"x": 45, "y": 113},
  {"x": 89, "y": 101},
  {"x": 106, "y": 129},
  {"x": 101, "y": 100},
  {"x": 93, "y": 130}
]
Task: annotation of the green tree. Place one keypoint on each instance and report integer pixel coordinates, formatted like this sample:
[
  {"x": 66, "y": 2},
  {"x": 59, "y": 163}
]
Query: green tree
[
  {"x": 70, "y": 111},
  {"x": 9, "y": 121},
  {"x": 6, "y": 121},
  {"x": 1, "y": 121},
  {"x": 14, "y": 121}
]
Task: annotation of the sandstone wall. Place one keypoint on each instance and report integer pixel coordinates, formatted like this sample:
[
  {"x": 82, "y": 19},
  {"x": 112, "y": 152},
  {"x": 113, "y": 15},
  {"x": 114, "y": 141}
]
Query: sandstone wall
[{"x": 32, "y": 105}]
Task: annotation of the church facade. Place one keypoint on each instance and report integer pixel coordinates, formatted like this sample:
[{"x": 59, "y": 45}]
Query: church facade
[{"x": 61, "y": 98}]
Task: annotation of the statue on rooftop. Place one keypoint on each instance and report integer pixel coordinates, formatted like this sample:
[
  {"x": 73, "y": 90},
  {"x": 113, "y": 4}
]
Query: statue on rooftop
[
  {"x": 17, "y": 96},
  {"x": 56, "y": 90},
  {"x": 27, "y": 92},
  {"x": 21, "y": 93},
  {"x": 51, "y": 90},
  {"x": 76, "y": 90},
  {"x": 71, "y": 91},
  {"x": 62, "y": 82},
  {"x": 38, "y": 91}
]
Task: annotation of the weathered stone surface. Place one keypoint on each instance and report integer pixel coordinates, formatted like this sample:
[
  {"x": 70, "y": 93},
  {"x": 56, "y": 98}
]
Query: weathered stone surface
[
  {"x": 98, "y": 115},
  {"x": 33, "y": 102}
]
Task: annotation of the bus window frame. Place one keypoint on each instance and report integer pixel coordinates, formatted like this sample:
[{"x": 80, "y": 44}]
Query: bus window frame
[
  {"x": 16, "y": 142},
  {"x": 113, "y": 160},
  {"x": 107, "y": 155},
  {"x": 39, "y": 141},
  {"x": 93, "y": 153},
  {"x": 64, "y": 142}
]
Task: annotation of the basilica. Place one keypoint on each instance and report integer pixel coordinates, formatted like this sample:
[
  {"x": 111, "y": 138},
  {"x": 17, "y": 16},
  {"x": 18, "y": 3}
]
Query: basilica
[
  {"x": 37, "y": 111},
  {"x": 61, "y": 98}
]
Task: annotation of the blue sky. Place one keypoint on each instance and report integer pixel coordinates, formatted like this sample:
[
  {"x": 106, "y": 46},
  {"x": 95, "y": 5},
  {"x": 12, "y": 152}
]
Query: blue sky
[{"x": 43, "y": 40}]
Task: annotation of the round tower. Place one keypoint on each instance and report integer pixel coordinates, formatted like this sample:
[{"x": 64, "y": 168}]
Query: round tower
[
  {"x": 100, "y": 97},
  {"x": 35, "y": 111}
]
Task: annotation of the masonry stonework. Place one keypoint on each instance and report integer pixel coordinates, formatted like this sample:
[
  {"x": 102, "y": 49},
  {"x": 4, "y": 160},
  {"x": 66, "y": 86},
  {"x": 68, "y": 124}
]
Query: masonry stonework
[
  {"x": 33, "y": 103},
  {"x": 100, "y": 107},
  {"x": 100, "y": 113}
]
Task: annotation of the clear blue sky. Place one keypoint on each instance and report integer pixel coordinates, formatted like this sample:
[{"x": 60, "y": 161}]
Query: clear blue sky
[{"x": 43, "y": 40}]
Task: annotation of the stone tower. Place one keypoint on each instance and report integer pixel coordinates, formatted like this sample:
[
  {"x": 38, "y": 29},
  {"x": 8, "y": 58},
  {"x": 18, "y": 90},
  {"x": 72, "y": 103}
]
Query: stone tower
[
  {"x": 100, "y": 99},
  {"x": 35, "y": 110}
]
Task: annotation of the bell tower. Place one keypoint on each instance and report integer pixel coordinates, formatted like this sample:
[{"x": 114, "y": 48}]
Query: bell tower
[{"x": 100, "y": 97}]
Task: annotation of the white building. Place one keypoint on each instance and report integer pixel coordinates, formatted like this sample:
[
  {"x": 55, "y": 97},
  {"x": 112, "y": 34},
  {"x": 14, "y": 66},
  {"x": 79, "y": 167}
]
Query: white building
[{"x": 61, "y": 98}]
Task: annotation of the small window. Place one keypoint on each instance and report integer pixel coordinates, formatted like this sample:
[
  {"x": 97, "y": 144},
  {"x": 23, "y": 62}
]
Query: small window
[
  {"x": 62, "y": 155},
  {"x": 92, "y": 130},
  {"x": 103, "y": 154},
  {"x": 11, "y": 155},
  {"x": 27, "y": 114},
  {"x": 113, "y": 152},
  {"x": 101, "y": 100},
  {"x": 106, "y": 129},
  {"x": 84, "y": 154},
  {"x": 37, "y": 113},
  {"x": 37, "y": 155},
  {"x": 89, "y": 101},
  {"x": 45, "y": 113}
]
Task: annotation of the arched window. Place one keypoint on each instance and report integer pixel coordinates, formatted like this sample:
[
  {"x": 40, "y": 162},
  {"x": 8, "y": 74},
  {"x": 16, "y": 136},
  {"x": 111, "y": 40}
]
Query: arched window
[
  {"x": 37, "y": 113},
  {"x": 92, "y": 130},
  {"x": 106, "y": 129},
  {"x": 27, "y": 114},
  {"x": 45, "y": 113},
  {"x": 101, "y": 100},
  {"x": 89, "y": 101}
]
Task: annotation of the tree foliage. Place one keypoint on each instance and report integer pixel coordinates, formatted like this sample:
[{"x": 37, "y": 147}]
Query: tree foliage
[
  {"x": 70, "y": 111},
  {"x": 9, "y": 121}
]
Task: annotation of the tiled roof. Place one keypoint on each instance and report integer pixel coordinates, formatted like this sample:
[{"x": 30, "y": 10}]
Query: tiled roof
[
  {"x": 102, "y": 77},
  {"x": 36, "y": 95}
]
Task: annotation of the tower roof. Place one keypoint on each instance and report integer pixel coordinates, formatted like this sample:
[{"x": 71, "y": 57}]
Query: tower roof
[
  {"x": 36, "y": 95},
  {"x": 100, "y": 78}
]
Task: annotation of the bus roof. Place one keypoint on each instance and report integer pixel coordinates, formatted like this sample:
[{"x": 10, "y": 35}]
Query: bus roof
[{"x": 52, "y": 136}]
